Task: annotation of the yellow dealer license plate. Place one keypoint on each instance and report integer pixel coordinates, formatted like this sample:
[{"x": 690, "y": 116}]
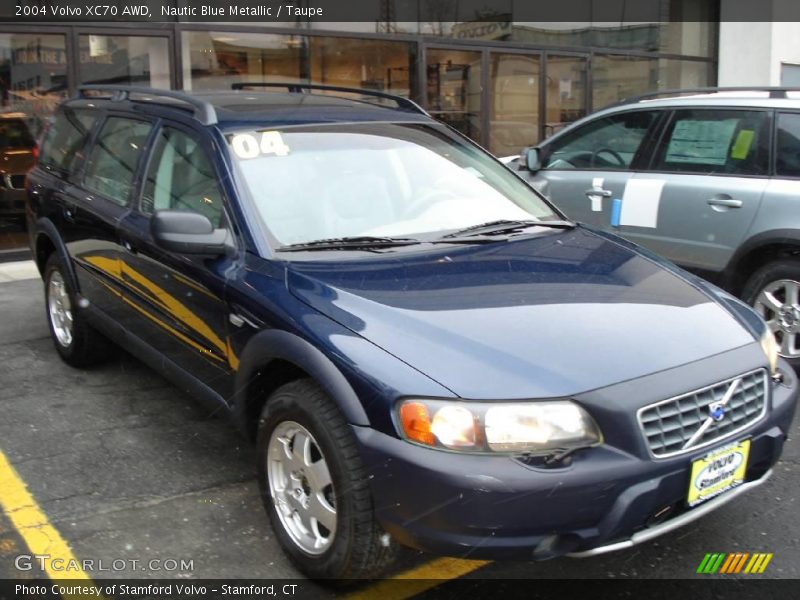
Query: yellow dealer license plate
[{"x": 718, "y": 471}]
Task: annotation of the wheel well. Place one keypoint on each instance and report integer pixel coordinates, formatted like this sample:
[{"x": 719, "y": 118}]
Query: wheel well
[
  {"x": 757, "y": 258},
  {"x": 44, "y": 248},
  {"x": 269, "y": 378}
]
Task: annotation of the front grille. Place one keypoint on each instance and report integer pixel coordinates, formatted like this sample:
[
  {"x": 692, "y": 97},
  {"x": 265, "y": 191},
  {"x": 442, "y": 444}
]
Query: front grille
[{"x": 668, "y": 425}]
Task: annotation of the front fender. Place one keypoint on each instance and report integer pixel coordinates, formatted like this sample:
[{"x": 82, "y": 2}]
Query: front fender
[{"x": 276, "y": 344}]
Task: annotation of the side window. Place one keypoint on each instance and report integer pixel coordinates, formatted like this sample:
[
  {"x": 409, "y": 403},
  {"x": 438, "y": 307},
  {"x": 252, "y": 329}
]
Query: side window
[
  {"x": 65, "y": 138},
  {"x": 787, "y": 158},
  {"x": 732, "y": 142},
  {"x": 113, "y": 159},
  {"x": 609, "y": 143},
  {"x": 180, "y": 177}
]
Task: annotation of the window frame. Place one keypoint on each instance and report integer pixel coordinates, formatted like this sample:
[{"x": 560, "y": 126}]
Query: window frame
[
  {"x": 81, "y": 176},
  {"x": 641, "y": 158},
  {"x": 716, "y": 110},
  {"x": 227, "y": 222}
]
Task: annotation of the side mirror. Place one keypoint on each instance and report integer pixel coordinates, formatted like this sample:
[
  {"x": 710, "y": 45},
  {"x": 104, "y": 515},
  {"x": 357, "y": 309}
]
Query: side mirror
[
  {"x": 531, "y": 159},
  {"x": 187, "y": 233}
]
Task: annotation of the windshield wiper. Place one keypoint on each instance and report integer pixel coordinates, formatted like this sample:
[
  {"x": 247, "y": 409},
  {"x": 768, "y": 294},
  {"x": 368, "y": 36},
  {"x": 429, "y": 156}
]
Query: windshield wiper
[
  {"x": 507, "y": 226},
  {"x": 366, "y": 242}
]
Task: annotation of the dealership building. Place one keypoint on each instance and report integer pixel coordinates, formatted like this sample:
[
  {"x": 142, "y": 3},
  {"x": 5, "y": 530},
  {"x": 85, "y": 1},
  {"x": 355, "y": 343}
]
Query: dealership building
[{"x": 505, "y": 83}]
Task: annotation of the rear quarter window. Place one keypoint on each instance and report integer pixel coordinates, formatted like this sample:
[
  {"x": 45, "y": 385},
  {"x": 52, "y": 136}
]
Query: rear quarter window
[
  {"x": 787, "y": 156},
  {"x": 65, "y": 139}
]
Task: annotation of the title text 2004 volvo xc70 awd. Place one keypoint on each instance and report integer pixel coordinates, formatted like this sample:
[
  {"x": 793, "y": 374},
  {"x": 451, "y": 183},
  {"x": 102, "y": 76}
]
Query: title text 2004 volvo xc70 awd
[{"x": 425, "y": 351}]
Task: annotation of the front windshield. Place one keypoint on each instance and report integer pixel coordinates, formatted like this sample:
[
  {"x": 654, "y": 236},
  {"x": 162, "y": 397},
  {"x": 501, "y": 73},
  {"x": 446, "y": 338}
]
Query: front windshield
[{"x": 376, "y": 179}]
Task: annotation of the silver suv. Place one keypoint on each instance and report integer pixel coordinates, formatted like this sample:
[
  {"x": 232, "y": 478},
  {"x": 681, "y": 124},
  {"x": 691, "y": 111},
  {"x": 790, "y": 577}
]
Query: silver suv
[{"x": 709, "y": 178}]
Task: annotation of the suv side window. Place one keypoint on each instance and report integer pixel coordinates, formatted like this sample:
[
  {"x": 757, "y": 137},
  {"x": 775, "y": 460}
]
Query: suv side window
[
  {"x": 65, "y": 138},
  {"x": 610, "y": 143},
  {"x": 113, "y": 159},
  {"x": 704, "y": 141},
  {"x": 787, "y": 156},
  {"x": 180, "y": 177}
]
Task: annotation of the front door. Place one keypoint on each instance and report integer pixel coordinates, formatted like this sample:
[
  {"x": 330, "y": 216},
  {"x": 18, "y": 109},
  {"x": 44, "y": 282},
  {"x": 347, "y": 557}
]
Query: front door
[
  {"x": 175, "y": 302},
  {"x": 584, "y": 170}
]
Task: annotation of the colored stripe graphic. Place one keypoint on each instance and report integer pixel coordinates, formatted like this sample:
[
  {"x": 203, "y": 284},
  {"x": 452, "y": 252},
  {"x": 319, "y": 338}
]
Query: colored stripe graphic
[{"x": 723, "y": 563}]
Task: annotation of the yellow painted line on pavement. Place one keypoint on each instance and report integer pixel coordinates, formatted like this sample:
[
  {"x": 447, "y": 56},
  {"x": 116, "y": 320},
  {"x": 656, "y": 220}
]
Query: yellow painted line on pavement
[
  {"x": 418, "y": 580},
  {"x": 33, "y": 526}
]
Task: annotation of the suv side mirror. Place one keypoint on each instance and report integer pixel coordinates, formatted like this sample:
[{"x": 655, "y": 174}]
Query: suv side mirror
[
  {"x": 187, "y": 233},
  {"x": 531, "y": 159}
]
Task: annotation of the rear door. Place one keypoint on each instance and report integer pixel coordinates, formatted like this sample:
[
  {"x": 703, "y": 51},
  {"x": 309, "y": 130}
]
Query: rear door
[
  {"x": 176, "y": 302},
  {"x": 93, "y": 201},
  {"x": 586, "y": 168},
  {"x": 696, "y": 203}
]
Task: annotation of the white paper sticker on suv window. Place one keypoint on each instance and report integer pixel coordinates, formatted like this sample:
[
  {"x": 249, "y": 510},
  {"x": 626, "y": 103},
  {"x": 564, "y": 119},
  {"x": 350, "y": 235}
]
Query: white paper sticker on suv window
[
  {"x": 640, "y": 202},
  {"x": 252, "y": 145}
]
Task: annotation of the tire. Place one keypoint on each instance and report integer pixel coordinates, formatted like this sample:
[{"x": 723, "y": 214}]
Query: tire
[
  {"x": 76, "y": 342},
  {"x": 781, "y": 281},
  {"x": 355, "y": 546}
]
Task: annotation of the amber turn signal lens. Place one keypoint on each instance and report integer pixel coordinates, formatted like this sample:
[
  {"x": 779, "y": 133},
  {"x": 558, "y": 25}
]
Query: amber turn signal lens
[{"x": 416, "y": 423}]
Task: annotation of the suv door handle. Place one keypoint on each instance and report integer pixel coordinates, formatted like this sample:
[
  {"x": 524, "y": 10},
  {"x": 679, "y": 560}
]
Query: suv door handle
[
  {"x": 726, "y": 202},
  {"x": 129, "y": 247},
  {"x": 602, "y": 193}
]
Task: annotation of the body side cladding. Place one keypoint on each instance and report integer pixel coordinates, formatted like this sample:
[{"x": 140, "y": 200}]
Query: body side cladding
[
  {"x": 45, "y": 228},
  {"x": 278, "y": 345}
]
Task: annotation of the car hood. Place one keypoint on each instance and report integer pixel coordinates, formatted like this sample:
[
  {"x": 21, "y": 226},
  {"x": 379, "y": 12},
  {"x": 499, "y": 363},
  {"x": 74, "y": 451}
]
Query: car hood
[{"x": 545, "y": 316}]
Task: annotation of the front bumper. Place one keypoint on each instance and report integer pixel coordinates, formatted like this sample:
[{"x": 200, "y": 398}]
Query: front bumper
[{"x": 608, "y": 498}]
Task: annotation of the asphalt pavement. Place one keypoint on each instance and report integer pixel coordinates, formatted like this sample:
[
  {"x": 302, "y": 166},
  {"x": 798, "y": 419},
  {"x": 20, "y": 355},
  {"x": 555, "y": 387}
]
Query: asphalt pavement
[{"x": 126, "y": 466}]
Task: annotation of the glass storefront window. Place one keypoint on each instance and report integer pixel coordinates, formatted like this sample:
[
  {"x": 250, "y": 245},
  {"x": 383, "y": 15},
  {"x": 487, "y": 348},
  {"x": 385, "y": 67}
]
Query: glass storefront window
[
  {"x": 566, "y": 92},
  {"x": 616, "y": 78},
  {"x": 216, "y": 59},
  {"x": 454, "y": 89},
  {"x": 33, "y": 76},
  {"x": 514, "y": 98},
  {"x": 122, "y": 59},
  {"x": 369, "y": 64}
]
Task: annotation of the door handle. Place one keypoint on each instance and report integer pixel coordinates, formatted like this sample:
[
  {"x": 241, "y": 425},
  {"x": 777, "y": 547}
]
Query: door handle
[
  {"x": 128, "y": 247},
  {"x": 601, "y": 193},
  {"x": 726, "y": 202}
]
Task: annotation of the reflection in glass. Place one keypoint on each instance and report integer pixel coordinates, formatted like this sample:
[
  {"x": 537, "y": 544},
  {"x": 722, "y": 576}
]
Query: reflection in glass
[
  {"x": 120, "y": 59},
  {"x": 215, "y": 60},
  {"x": 616, "y": 78},
  {"x": 566, "y": 92},
  {"x": 454, "y": 89},
  {"x": 32, "y": 76},
  {"x": 514, "y": 89},
  {"x": 368, "y": 64}
]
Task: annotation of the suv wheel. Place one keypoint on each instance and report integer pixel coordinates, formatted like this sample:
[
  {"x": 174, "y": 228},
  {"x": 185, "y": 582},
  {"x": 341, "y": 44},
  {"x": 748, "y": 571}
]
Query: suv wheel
[
  {"x": 76, "y": 342},
  {"x": 315, "y": 488},
  {"x": 774, "y": 291}
]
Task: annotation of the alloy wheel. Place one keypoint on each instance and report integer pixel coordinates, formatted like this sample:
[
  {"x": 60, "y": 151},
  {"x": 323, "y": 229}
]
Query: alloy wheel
[
  {"x": 778, "y": 303},
  {"x": 59, "y": 309},
  {"x": 301, "y": 487}
]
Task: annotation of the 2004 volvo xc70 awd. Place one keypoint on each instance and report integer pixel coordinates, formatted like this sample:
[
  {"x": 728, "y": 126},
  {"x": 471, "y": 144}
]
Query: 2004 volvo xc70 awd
[{"x": 425, "y": 351}]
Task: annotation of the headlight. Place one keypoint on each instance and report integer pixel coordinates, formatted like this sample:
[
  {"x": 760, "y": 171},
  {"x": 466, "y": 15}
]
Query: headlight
[
  {"x": 513, "y": 427},
  {"x": 770, "y": 348}
]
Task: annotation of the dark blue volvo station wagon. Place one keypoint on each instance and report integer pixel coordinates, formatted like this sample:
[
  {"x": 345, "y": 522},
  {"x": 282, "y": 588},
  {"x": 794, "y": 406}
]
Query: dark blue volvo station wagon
[{"x": 425, "y": 351}]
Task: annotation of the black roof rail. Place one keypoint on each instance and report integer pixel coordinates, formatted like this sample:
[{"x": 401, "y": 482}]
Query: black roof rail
[
  {"x": 774, "y": 92},
  {"x": 300, "y": 88},
  {"x": 203, "y": 110}
]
